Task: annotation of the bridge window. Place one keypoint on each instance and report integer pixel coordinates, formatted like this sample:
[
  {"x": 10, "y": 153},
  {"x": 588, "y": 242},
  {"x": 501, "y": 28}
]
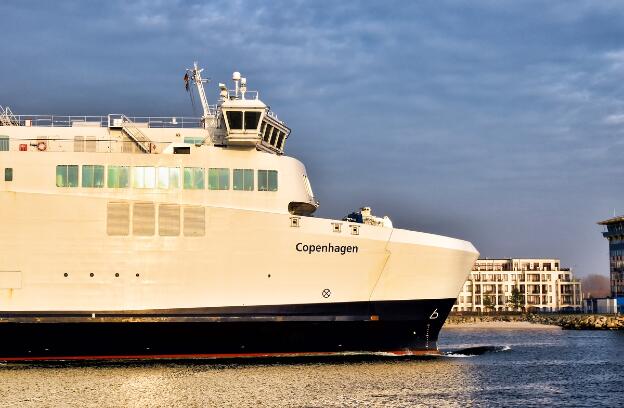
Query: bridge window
[
  {"x": 4, "y": 143},
  {"x": 218, "y": 179},
  {"x": 93, "y": 176},
  {"x": 168, "y": 177},
  {"x": 243, "y": 179},
  {"x": 66, "y": 175},
  {"x": 118, "y": 176},
  {"x": 267, "y": 133},
  {"x": 251, "y": 120},
  {"x": 235, "y": 119},
  {"x": 274, "y": 137},
  {"x": 194, "y": 178},
  {"x": 144, "y": 177},
  {"x": 267, "y": 180},
  {"x": 280, "y": 141},
  {"x": 8, "y": 174}
]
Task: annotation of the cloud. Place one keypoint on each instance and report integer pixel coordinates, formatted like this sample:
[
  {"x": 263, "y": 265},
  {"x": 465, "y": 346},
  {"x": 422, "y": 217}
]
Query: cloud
[
  {"x": 615, "y": 119},
  {"x": 490, "y": 111}
]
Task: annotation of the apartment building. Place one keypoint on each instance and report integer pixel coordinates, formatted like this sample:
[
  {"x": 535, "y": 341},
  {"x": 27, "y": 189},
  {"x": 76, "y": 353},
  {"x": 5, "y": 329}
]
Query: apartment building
[{"x": 542, "y": 285}]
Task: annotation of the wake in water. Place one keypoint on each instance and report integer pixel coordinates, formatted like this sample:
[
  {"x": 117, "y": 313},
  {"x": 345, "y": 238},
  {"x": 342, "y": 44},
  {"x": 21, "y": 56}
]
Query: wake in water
[{"x": 475, "y": 351}]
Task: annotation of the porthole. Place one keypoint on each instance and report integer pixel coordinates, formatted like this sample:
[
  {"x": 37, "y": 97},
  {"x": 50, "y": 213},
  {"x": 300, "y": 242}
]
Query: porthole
[
  {"x": 117, "y": 275},
  {"x": 65, "y": 274},
  {"x": 91, "y": 274},
  {"x": 137, "y": 275}
]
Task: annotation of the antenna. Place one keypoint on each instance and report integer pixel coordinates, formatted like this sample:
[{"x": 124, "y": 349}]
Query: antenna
[{"x": 243, "y": 87}]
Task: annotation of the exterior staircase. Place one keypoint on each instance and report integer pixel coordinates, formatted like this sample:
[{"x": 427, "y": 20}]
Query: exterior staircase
[
  {"x": 7, "y": 118},
  {"x": 130, "y": 129}
]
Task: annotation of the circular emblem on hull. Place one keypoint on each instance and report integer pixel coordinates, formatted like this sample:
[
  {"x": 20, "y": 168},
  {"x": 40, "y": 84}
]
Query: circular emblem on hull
[{"x": 326, "y": 293}]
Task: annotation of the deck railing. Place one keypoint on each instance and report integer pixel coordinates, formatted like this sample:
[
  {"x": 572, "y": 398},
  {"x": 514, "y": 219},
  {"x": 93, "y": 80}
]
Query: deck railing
[{"x": 103, "y": 121}]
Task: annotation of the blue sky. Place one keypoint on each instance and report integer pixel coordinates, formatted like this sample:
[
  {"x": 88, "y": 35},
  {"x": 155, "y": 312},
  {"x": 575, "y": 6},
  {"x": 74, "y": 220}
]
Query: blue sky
[{"x": 500, "y": 122}]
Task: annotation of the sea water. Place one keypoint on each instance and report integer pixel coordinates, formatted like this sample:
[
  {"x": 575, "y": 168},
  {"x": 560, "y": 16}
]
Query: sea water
[{"x": 526, "y": 367}]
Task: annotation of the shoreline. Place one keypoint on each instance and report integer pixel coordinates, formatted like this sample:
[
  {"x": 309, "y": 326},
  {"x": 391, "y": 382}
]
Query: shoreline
[
  {"x": 498, "y": 325},
  {"x": 530, "y": 320}
]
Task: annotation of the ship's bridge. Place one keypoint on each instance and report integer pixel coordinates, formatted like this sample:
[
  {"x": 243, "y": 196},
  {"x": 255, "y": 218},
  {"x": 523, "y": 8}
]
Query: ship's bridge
[{"x": 249, "y": 121}]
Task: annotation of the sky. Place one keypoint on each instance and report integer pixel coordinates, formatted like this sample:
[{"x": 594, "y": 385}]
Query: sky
[{"x": 498, "y": 122}]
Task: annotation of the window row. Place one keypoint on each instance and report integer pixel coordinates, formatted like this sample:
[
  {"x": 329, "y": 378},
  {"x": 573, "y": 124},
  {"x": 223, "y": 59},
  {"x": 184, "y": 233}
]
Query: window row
[
  {"x": 171, "y": 220},
  {"x": 191, "y": 178}
]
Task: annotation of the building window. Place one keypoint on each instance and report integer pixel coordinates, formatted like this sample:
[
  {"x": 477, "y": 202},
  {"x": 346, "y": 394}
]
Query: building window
[
  {"x": 144, "y": 177},
  {"x": 267, "y": 180},
  {"x": 194, "y": 178},
  {"x": 4, "y": 143},
  {"x": 118, "y": 176},
  {"x": 168, "y": 177},
  {"x": 8, "y": 174},
  {"x": 93, "y": 176},
  {"x": 243, "y": 179},
  {"x": 218, "y": 179},
  {"x": 66, "y": 175}
]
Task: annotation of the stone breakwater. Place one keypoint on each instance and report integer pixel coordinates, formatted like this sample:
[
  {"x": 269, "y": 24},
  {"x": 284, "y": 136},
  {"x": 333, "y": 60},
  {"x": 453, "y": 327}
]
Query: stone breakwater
[{"x": 565, "y": 321}]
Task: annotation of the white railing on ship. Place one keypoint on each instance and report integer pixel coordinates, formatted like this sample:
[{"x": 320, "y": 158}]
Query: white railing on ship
[
  {"x": 103, "y": 121},
  {"x": 249, "y": 95}
]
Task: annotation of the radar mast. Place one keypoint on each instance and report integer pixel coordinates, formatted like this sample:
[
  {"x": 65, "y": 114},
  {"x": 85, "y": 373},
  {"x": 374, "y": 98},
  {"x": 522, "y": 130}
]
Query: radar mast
[{"x": 195, "y": 76}]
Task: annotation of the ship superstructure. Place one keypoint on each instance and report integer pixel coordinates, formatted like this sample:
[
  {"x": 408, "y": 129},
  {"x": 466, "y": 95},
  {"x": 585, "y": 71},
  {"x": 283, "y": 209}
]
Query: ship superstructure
[{"x": 176, "y": 236}]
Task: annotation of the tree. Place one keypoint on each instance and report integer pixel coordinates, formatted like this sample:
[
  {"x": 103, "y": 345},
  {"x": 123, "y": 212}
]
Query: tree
[
  {"x": 488, "y": 304},
  {"x": 515, "y": 300}
]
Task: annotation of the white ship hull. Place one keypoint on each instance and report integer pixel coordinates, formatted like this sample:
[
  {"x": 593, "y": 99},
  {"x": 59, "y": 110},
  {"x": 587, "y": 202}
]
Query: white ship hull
[{"x": 250, "y": 266}]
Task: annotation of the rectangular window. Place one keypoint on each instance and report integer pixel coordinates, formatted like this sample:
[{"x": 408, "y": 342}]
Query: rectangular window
[
  {"x": 243, "y": 179},
  {"x": 267, "y": 180},
  {"x": 79, "y": 143},
  {"x": 194, "y": 178},
  {"x": 8, "y": 174},
  {"x": 118, "y": 219},
  {"x": 169, "y": 220},
  {"x": 251, "y": 120},
  {"x": 144, "y": 177},
  {"x": 235, "y": 119},
  {"x": 143, "y": 219},
  {"x": 219, "y": 179},
  {"x": 4, "y": 143},
  {"x": 66, "y": 175},
  {"x": 118, "y": 176},
  {"x": 194, "y": 222},
  {"x": 168, "y": 177},
  {"x": 93, "y": 176},
  {"x": 194, "y": 140}
]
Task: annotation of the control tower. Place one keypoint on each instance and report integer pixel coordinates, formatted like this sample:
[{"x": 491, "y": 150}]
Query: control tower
[{"x": 615, "y": 234}]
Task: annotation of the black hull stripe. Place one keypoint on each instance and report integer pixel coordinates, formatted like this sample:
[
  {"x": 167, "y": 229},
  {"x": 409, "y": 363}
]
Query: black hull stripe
[
  {"x": 338, "y": 311},
  {"x": 407, "y": 327}
]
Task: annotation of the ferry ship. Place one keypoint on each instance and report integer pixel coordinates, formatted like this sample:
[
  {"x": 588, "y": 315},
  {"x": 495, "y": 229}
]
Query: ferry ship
[{"x": 176, "y": 237}]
